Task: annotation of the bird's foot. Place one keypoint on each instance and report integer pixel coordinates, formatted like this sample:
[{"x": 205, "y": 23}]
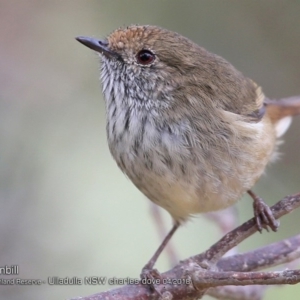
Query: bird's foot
[
  {"x": 151, "y": 278},
  {"x": 263, "y": 214}
]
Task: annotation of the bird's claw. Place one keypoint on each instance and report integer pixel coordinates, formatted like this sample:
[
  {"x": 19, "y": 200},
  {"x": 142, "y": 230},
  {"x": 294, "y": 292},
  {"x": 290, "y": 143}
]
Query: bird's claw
[
  {"x": 151, "y": 277},
  {"x": 264, "y": 216}
]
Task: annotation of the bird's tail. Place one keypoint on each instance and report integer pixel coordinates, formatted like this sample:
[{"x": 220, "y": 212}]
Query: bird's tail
[{"x": 281, "y": 112}]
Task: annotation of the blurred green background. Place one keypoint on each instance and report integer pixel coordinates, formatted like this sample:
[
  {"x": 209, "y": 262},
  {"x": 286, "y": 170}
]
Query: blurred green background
[{"x": 66, "y": 209}]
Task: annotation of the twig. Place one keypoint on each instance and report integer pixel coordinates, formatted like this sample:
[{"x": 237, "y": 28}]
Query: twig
[
  {"x": 269, "y": 256},
  {"x": 181, "y": 274},
  {"x": 236, "y": 236},
  {"x": 203, "y": 279}
]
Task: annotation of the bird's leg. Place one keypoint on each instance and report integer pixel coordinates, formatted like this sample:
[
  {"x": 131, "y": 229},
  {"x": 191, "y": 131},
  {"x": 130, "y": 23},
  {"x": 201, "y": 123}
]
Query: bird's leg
[
  {"x": 263, "y": 214},
  {"x": 148, "y": 272}
]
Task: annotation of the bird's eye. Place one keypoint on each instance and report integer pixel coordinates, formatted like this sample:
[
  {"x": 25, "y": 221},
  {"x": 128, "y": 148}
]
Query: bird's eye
[{"x": 145, "y": 57}]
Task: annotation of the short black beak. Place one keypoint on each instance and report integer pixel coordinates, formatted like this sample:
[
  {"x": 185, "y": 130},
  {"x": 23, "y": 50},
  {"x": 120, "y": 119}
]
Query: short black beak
[{"x": 100, "y": 46}]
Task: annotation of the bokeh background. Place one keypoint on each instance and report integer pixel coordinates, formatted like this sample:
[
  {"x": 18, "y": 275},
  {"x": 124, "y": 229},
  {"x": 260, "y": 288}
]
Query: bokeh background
[{"x": 65, "y": 208}]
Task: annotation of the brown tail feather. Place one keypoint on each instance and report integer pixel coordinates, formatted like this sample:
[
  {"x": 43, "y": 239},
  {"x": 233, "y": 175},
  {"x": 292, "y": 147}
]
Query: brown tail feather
[{"x": 278, "y": 109}]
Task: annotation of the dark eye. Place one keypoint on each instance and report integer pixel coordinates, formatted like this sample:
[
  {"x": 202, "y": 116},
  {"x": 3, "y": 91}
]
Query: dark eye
[{"x": 145, "y": 57}]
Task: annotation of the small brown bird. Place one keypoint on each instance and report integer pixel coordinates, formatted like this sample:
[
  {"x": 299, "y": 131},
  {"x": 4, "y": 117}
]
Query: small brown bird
[{"x": 190, "y": 131}]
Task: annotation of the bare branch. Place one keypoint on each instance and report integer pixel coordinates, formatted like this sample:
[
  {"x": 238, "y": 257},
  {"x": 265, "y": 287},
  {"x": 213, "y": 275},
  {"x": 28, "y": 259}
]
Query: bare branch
[
  {"x": 234, "y": 270},
  {"x": 269, "y": 256},
  {"x": 236, "y": 236},
  {"x": 203, "y": 279}
]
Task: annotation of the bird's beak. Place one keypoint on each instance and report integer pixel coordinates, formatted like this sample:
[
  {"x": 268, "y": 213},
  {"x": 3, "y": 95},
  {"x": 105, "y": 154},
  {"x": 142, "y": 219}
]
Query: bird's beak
[{"x": 100, "y": 46}]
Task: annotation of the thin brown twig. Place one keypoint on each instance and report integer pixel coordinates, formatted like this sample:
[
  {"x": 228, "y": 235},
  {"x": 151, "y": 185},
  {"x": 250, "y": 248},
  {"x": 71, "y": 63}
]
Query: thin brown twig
[
  {"x": 181, "y": 274},
  {"x": 203, "y": 279},
  {"x": 271, "y": 255},
  {"x": 236, "y": 236},
  {"x": 283, "y": 252}
]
